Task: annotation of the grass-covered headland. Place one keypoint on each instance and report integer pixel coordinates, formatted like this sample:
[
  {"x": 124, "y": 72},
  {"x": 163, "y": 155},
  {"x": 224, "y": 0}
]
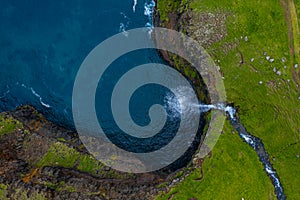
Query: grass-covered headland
[{"x": 255, "y": 45}]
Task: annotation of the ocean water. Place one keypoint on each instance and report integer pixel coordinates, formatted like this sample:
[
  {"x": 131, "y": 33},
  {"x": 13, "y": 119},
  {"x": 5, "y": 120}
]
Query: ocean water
[{"x": 43, "y": 44}]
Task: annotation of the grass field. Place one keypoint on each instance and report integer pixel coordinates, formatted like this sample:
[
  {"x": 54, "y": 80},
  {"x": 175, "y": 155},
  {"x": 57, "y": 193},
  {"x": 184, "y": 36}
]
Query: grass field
[
  {"x": 233, "y": 172},
  {"x": 267, "y": 103}
]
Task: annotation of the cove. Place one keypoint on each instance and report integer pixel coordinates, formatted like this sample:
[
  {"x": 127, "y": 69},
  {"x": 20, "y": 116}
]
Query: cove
[{"x": 43, "y": 44}]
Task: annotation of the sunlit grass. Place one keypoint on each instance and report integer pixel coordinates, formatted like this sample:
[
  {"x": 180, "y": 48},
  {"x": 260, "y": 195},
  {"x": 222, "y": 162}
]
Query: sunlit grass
[
  {"x": 233, "y": 172},
  {"x": 8, "y": 125},
  {"x": 267, "y": 104}
]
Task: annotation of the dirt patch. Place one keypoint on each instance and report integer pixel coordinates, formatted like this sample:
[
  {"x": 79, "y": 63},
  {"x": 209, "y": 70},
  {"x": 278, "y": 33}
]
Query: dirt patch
[
  {"x": 206, "y": 28},
  {"x": 292, "y": 34}
]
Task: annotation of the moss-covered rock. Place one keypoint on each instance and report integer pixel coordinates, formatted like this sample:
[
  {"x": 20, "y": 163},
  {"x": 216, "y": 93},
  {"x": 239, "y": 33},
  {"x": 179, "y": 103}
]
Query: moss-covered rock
[
  {"x": 8, "y": 124},
  {"x": 40, "y": 160}
]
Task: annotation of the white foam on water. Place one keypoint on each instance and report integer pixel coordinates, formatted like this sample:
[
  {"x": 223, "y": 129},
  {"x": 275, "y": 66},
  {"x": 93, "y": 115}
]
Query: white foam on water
[
  {"x": 269, "y": 169},
  {"x": 272, "y": 173},
  {"x": 134, "y": 5},
  {"x": 206, "y": 108},
  {"x": 40, "y": 98},
  {"x": 149, "y": 8},
  {"x": 122, "y": 29},
  {"x": 184, "y": 99},
  {"x": 248, "y": 139},
  {"x": 148, "y": 11},
  {"x": 124, "y": 25},
  {"x": 37, "y": 95},
  {"x": 231, "y": 111},
  {"x": 277, "y": 182}
]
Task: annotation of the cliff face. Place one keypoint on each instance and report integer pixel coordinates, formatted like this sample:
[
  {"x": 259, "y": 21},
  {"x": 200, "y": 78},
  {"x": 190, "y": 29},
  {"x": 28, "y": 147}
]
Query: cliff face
[
  {"x": 40, "y": 160},
  {"x": 258, "y": 68},
  {"x": 176, "y": 15}
]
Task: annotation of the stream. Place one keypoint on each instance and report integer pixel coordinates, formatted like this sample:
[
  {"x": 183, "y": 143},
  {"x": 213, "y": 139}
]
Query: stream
[
  {"x": 254, "y": 142},
  {"x": 39, "y": 61}
]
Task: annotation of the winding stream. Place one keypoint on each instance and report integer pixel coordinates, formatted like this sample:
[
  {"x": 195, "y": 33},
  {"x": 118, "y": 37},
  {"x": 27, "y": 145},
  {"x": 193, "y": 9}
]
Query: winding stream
[
  {"x": 255, "y": 143},
  {"x": 56, "y": 56}
]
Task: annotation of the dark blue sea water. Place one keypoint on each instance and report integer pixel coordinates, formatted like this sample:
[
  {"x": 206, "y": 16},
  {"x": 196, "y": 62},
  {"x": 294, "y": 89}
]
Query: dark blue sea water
[{"x": 43, "y": 44}]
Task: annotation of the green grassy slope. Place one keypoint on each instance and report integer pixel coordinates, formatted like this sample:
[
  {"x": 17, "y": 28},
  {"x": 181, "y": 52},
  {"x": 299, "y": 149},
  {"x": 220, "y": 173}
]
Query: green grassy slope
[
  {"x": 268, "y": 103},
  {"x": 233, "y": 172},
  {"x": 8, "y": 124}
]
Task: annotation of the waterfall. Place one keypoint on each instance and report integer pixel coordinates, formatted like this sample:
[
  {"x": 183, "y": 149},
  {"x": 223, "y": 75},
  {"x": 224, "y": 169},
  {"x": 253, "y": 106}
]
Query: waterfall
[
  {"x": 227, "y": 109},
  {"x": 254, "y": 142}
]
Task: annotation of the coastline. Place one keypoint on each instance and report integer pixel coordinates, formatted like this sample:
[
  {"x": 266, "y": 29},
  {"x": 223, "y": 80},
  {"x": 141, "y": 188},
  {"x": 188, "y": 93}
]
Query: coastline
[
  {"x": 40, "y": 181},
  {"x": 40, "y": 159},
  {"x": 177, "y": 23}
]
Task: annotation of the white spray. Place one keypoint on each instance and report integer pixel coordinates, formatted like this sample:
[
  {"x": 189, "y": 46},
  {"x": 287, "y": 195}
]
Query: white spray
[
  {"x": 184, "y": 99},
  {"x": 134, "y": 5},
  {"x": 221, "y": 106}
]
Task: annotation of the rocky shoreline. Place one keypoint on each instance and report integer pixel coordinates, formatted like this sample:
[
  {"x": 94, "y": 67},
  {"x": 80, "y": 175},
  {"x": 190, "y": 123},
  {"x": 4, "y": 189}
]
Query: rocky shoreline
[
  {"x": 24, "y": 148},
  {"x": 25, "y": 173},
  {"x": 22, "y": 175}
]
